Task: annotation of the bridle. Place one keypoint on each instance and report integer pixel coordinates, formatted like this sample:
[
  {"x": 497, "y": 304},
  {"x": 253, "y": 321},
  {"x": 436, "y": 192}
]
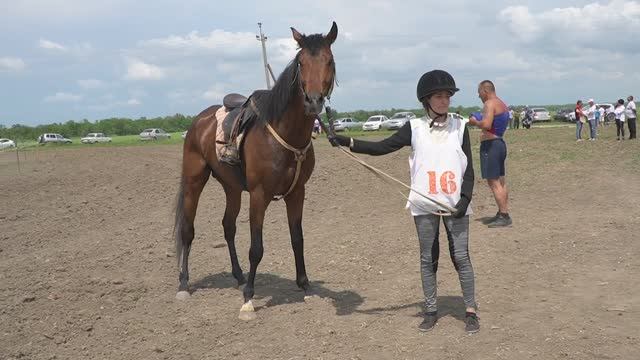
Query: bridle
[{"x": 298, "y": 78}]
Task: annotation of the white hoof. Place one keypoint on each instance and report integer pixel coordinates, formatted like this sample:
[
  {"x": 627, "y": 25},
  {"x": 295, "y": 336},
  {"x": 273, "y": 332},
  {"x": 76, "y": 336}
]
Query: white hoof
[
  {"x": 247, "y": 316},
  {"x": 247, "y": 312},
  {"x": 313, "y": 297},
  {"x": 183, "y": 295}
]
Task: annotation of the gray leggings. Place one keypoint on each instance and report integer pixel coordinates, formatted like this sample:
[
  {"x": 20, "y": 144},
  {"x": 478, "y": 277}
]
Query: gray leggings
[{"x": 428, "y": 227}]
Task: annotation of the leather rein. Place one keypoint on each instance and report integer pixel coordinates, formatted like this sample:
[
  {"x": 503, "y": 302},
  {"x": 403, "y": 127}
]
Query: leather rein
[{"x": 299, "y": 154}]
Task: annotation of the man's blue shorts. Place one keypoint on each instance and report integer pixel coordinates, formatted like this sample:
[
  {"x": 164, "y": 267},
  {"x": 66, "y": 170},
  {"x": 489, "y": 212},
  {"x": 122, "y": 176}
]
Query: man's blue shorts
[{"x": 493, "y": 154}]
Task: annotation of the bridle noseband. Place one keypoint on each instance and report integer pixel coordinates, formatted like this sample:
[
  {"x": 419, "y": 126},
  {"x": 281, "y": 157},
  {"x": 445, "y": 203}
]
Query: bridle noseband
[{"x": 298, "y": 78}]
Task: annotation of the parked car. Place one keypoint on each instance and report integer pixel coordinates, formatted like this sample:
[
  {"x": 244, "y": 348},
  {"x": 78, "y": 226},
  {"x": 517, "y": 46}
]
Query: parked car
[
  {"x": 541, "y": 114},
  {"x": 398, "y": 120},
  {"x": 458, "y": 116},
  {"x": 346, "y": 124},
  {"x": 608, "y": 108},
  {"x": 184, "y": 134},
  {"x": 154, "y": 134},
  {"x": 93, "y": 138},
  {"x": 53, "y": 139},
  {"x": 562, "y": 115},
  {"x": 608, "y": 111},
  {"x": 6, "y": 143},
  {"x": 374, "y": 122}
]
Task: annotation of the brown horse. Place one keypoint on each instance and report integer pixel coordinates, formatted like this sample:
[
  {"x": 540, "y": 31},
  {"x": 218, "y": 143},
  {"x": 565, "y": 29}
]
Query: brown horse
[{"x": 277, "y": 159}]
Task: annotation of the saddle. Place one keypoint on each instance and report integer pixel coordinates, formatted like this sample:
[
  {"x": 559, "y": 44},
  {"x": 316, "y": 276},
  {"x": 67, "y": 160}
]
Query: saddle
[
  {"x": 233, "y": 101},
  {"x": 236, "y": 117}
]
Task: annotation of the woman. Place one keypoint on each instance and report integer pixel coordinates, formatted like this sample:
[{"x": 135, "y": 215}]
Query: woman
[
  {"x": 580, "y": 119},
  {"x": 441, "y": 166},
  {"x": 619, "y": 112}
]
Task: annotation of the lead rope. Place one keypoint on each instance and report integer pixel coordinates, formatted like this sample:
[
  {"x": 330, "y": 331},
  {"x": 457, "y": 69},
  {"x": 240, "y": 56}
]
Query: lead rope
[{"x": 446, "y": 209}]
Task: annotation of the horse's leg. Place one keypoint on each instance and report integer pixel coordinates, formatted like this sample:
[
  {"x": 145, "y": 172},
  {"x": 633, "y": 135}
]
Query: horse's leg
[
  {"x": 256, "y": 220},
  {"x": 295, "y": 203},
  {"x": 229, "y": 224},
  {"x": 195, "y": 176}
]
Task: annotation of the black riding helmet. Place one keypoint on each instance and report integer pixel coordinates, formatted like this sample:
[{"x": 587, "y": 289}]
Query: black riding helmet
[{"x": 434, "y": 81}]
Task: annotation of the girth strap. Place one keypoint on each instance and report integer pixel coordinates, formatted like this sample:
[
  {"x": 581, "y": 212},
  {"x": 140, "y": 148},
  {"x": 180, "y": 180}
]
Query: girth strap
[{"x": 299, "y": 154}]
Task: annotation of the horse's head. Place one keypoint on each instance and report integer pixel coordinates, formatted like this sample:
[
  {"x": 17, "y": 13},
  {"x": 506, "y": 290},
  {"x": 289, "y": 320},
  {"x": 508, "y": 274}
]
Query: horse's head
[{"x": 316, "y": 68}]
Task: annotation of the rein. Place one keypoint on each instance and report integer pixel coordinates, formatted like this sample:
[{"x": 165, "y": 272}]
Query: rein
[
  {"x": 299, "y": 154},
  {"x": 448, "y": 210}
]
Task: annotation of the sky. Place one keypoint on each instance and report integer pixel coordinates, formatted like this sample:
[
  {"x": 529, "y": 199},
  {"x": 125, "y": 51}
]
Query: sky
[{"x": 66, "y": 60}]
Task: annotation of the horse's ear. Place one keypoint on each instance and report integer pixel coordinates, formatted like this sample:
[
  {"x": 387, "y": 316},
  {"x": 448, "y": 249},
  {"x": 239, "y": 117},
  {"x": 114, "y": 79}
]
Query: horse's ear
[
  {"x": 298, "y": 37},
  {"x": 333, "y": 33}
]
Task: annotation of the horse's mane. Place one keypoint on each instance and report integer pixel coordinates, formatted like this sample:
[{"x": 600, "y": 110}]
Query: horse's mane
[{"x": 273, "y": 103}]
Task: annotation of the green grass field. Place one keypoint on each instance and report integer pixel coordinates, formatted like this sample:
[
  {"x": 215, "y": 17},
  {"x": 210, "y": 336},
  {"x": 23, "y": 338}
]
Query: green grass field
[
  {"x": 176, "y": 138},
  {"x": 127, "y": 140}
]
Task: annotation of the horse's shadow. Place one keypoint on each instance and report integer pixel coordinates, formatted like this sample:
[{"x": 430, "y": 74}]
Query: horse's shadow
[
  {"x": 447, "y": 305},
  {"x": 284, "y": 291}
]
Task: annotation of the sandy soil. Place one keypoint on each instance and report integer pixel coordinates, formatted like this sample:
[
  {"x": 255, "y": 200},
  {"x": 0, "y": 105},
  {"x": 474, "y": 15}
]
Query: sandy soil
[{"x": 87, "y": 269}]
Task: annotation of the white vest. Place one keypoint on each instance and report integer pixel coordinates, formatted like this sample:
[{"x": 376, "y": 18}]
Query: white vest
[{"x": 437, "y": 164}]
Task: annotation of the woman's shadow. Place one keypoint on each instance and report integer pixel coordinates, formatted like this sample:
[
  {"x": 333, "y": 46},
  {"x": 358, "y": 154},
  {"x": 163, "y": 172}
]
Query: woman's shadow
[
  {"x": 284, "y": 291},
  {"x": 447, "y": 305}
]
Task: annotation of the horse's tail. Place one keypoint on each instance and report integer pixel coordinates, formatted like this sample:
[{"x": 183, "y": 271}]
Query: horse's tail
[{"x": 179, "y": 220}]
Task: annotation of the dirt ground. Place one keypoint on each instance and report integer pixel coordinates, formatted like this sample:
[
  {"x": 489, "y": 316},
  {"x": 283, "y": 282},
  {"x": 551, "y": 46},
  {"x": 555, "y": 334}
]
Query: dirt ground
[{"x": 87, "y": 269}]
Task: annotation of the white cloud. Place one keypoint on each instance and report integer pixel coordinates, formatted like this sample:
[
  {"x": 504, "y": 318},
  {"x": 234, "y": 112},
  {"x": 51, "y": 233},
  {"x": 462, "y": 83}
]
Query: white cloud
[
  {"x": 11, "y": 64},
  {"x": 63, "y": 97},
  {"x": 59, "y": 11},
  {"x": 50, "y": 45},
  {"x": 139, "y": 70},
  {"x": 133, "y": 102},
  {"x": 90, "y": 83},
  {"x": 594, "y": 25},
  {"x": 215, "y": 93},
  {"x": 229, "y": 42}
]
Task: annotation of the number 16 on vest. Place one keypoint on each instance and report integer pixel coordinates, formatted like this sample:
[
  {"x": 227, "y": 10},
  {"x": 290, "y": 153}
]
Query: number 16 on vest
[{"x": 447, "y": 182}]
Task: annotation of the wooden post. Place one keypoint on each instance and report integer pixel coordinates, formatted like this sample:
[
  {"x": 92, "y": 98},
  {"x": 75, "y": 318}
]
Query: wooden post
[{"x": 18, "y": 156}]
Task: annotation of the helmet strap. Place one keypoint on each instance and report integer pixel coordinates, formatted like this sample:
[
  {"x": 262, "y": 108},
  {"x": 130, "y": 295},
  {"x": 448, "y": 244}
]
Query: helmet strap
[{"x": 438, "y": 115}]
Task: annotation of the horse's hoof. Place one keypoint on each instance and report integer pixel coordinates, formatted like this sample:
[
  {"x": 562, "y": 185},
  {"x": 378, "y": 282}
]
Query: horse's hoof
[
  {"x": 311, "y": 297},
  {"x": 247, "y": 316},
  {"x": 247, "y": 312},
  {"x": 183, "y": 295}
]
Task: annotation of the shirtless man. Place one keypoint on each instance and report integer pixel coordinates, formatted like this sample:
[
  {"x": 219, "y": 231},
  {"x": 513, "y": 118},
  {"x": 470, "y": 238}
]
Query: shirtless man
[{"x": 493, "y": 151}]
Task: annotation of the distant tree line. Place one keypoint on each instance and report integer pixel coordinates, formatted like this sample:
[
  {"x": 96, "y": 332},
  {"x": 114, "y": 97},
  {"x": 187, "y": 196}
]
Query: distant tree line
[
  {"x": 111, "y": 127},
  {"x": 179, "y": 122}
]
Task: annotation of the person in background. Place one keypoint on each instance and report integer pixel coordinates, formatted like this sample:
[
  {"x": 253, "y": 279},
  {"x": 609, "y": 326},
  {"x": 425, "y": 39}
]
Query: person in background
[
  {"x": 516, "y": 119},
  {"x": 528, "y": 118},
  {"x": 510, "y": 117},
  {"x": 601, "y": 115},
  {"x": 619, "y": 111},
  {"x": 630, "y": 116},
  {"x": 580, "y": 119},
  {"x": 493, "y": 150},
  {"x": 441, "y": 166},
  {"x": 607, "y": 117},
  {"x": 591, "y": 117}
]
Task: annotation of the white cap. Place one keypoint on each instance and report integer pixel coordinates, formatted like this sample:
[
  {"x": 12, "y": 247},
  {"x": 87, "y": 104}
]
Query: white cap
[{"x": 590, "y": 100}]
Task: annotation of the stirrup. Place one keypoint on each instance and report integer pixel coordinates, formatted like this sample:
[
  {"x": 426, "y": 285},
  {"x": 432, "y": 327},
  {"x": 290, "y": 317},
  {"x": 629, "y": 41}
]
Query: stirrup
[{"x": 230, "y": 155}]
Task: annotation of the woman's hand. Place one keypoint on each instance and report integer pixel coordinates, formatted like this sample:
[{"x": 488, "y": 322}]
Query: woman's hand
[{"x": 339, "y": 140}]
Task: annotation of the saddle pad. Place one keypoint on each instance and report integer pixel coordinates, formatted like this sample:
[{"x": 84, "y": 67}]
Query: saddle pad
[{"x": 221, "y": 114}]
